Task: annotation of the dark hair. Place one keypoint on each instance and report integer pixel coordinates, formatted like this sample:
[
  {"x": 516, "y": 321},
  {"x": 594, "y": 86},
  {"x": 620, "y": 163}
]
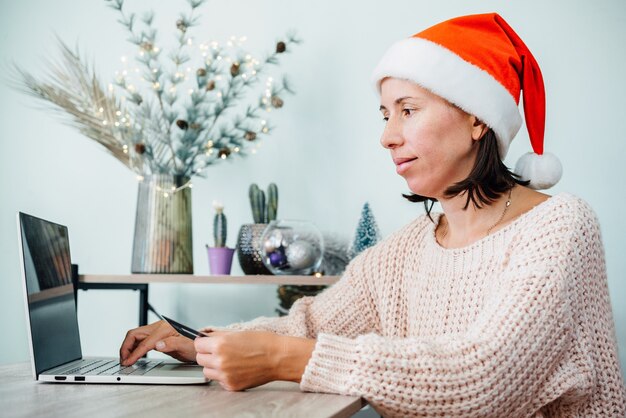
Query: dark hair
[{"x": 488, "y": 180}]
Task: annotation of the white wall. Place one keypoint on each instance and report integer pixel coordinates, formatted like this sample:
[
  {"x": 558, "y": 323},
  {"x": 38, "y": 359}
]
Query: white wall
[{"x": 324, "y": 154}]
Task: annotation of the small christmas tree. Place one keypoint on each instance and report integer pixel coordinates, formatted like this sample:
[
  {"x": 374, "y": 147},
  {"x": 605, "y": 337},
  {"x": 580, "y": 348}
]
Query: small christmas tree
[{"x": 367, "y": 233}]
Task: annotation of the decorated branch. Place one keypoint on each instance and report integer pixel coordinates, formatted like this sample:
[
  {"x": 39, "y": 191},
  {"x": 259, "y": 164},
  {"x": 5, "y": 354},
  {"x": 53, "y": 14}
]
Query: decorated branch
[{"x": 172, "y": 113}]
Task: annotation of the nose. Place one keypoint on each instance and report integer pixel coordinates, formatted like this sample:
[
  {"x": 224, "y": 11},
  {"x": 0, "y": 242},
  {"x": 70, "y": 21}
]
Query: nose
[{"x": 392, "y": 135}]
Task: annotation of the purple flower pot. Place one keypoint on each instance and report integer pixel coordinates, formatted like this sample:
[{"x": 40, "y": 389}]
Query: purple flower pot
[{"x": 220, "y": 260}]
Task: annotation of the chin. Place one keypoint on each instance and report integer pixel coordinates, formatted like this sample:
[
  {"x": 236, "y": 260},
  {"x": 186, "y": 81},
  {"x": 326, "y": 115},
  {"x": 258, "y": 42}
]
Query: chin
[{"x": 423, "y": 191}]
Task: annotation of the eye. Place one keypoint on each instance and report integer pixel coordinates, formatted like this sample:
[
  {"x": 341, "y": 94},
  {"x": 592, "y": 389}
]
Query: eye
[
  {"x": 407, "y": 112},
  {"x": 385, "y": 118}
]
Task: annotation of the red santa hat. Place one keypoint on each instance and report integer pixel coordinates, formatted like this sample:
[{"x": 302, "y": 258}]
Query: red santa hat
[{"x": 481, "y": 65}]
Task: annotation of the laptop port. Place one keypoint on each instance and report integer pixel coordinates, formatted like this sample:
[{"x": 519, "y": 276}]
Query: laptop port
[
  {"x": 79, "y": 379},
  {"x": 60, "y": 377}
]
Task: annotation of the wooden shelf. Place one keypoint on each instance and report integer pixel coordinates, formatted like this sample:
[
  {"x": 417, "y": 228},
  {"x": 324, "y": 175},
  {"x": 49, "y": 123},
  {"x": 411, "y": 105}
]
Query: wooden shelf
[{"x": 190, "y": 278}]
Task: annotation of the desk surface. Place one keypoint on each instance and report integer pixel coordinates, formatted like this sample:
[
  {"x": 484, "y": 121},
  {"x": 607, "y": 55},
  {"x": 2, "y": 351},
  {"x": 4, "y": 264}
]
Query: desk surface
[{"x": 21, "y": 396}]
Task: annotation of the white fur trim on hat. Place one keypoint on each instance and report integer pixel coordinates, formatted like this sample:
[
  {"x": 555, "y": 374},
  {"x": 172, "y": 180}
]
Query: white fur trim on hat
[
  {"x": 543, "y": 171},
  {"x": 449, "y": 76}
]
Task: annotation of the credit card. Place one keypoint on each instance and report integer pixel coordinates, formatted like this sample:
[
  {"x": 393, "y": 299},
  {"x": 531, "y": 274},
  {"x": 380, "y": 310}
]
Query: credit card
[{"x": 184, "y": 330}]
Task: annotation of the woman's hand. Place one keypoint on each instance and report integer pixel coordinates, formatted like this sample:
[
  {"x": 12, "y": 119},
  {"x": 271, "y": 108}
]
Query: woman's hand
[
  {"x": 160, "y": 336},
  {"x": 241, "y": 360}
]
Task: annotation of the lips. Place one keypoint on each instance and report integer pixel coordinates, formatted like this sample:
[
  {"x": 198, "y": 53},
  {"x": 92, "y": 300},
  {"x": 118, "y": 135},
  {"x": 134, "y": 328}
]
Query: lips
[{"x": 403, "y": 164}]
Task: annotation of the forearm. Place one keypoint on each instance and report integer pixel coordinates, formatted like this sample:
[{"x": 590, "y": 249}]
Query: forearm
[{"x": 292, "y": 356}]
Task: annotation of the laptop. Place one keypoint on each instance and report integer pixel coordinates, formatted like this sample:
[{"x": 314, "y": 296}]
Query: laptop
[{"x": 55, "y": 350}]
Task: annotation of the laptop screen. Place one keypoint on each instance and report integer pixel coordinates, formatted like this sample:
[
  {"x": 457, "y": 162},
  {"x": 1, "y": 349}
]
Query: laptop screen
[{"x": 50, "y": 293}]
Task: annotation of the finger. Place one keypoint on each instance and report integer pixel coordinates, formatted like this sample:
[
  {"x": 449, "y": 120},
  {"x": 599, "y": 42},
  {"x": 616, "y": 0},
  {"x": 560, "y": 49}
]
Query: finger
[
  {"x": 136, "y": 335},
  {"x": 133, "y": 337},
  {"x": 147, "y": 344},
  {"x": 205, "y": 344},
  {"x": 212, "y": 374},
  {"x": 209, "y": 361},
  {"x": 174, "y": 343}
]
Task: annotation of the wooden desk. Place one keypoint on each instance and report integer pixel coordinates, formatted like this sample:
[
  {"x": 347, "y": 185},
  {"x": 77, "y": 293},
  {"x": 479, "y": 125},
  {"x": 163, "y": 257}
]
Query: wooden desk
[{"x": 21, "y": 396}]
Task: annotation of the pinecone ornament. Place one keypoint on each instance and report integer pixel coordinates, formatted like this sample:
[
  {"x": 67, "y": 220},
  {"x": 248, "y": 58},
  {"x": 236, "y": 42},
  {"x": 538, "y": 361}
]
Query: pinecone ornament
[
  {"x": 140, "y": 148},
  {"x": 277, "y": 102},
  {"x": 234, "y": 69}
]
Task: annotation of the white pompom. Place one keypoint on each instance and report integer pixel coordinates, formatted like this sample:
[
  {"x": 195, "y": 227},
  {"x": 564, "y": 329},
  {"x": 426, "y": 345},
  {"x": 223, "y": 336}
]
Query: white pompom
[{"x": 543, "y": 171}]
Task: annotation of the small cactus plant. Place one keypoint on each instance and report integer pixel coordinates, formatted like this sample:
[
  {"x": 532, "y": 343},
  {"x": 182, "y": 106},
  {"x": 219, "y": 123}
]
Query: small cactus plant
[
  {"x": 219, "y": 225},
  {"x": 263, "y": 211}
]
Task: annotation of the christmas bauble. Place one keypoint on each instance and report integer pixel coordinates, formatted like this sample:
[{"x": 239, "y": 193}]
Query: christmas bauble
[
  {"x": 301, "y": 255},
  {"x": 277, "y": 259}
]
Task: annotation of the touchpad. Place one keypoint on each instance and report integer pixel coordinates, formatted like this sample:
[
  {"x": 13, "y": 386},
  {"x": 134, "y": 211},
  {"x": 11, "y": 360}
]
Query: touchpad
[{"x": 177, "y": 369}]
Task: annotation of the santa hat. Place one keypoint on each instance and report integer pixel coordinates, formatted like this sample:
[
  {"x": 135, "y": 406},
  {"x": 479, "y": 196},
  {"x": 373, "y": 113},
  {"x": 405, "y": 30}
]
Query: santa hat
[{"x": 481, "y": 65}]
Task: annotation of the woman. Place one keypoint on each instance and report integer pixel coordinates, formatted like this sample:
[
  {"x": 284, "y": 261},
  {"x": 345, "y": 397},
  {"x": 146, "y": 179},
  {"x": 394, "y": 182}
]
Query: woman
[{"x": 497, "y": 307}]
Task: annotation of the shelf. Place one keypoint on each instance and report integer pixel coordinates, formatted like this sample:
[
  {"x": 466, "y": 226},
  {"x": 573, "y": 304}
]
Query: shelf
[{"x": 190, "y": 278}]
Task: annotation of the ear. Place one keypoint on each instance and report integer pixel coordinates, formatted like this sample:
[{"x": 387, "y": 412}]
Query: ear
[{"x": 479, "y": 129}]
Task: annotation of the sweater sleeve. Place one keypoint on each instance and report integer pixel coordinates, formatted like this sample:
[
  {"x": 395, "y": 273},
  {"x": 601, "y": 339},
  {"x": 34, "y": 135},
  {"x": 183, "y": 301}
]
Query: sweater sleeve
[
  {"x": 498, "y": 367},
  {"x": 346, "y": 308}
]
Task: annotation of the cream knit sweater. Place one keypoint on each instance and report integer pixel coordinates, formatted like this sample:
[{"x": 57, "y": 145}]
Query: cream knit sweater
[{"x": 518, "y": 324}]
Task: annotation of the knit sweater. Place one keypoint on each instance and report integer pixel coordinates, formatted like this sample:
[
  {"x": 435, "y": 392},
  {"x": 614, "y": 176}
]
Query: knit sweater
[{"x": 517, "y": 324}]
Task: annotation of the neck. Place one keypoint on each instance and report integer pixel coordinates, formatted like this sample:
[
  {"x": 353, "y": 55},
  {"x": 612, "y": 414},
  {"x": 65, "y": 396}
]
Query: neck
[{"x": 460, "y": 227}]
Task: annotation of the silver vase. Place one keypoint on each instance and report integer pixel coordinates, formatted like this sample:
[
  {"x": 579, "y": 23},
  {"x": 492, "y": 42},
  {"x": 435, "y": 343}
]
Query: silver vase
[
  {"x": 163, "y": 242},
  {"x": 249, "y": 249}
]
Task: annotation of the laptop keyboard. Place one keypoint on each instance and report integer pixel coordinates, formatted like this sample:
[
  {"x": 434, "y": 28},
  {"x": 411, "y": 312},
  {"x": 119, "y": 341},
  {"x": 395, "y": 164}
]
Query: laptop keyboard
[{"x": 111, "y": 367}]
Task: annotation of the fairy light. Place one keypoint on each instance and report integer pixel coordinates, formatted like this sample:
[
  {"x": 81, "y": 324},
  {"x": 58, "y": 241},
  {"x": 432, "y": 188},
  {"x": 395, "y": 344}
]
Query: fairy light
[
  {"x": 189, "y": 41},
  {"x": 236, "y": 149},
  {"x": 156, "y": 85},
  {"x": 123, "y": 58},
  {"x": 265, "y": 129}
]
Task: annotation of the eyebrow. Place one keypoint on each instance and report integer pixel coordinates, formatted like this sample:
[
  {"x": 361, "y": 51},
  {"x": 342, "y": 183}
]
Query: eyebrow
[{"x": 397, "y": 101}]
